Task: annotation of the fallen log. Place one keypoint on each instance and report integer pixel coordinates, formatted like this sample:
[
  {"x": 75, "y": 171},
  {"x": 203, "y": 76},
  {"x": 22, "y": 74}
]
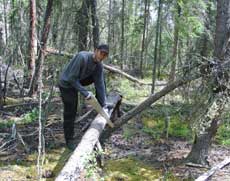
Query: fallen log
[
  {"x": 208, "y": 174},
  {"x": 129, "y": 77},
  {"x": 74, "y": 168},
  {"x": 107, "y": 67},
  {"x": 147, "y": 103}
]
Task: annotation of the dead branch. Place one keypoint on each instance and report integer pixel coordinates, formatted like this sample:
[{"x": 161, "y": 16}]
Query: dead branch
[{"x": 208, "y": 174}]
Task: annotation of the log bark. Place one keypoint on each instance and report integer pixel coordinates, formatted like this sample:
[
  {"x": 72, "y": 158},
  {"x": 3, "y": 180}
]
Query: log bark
[
  {"x": 208, "y": 174},
  {"x": 74, "y": 168}
]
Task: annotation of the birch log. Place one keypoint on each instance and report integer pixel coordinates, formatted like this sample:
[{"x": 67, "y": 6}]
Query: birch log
[{"x": 74, "y": 168}]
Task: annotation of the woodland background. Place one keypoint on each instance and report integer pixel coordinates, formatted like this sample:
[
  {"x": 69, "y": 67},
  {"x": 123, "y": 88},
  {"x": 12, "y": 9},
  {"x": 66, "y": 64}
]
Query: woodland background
[{"x": 169, "y": 59}]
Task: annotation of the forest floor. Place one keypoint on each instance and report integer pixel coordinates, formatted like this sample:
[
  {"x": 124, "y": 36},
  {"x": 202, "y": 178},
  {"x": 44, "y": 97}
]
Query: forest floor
[{"x": 130, "y": 153}]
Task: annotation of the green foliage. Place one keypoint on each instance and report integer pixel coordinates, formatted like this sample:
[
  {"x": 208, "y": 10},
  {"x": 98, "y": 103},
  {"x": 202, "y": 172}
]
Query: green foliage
[
  {"x": 129, "y": 90},
  {"x": 153, "y": 132},
  {"x": 6, "y": 124},
  {"x": 26, "y": 119},
  {"x": 223, "y": 134},
  {"x": 128, "y": 132},
  {"x": 189, "y": 22},
  {"x": 30, "y": 117},
  {"x": 154, "y": 121},
  {"x": 91, "y": 163},
  {"x": 178, "y": 128}
]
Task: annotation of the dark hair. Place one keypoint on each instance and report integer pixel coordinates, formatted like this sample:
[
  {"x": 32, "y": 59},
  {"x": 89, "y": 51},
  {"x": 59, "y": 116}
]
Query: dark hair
[{"x": 103, "y": 48}]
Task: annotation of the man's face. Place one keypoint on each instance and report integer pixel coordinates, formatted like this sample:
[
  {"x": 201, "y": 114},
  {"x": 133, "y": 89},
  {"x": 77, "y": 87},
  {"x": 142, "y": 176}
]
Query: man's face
[{"x": 100, "y": 55}]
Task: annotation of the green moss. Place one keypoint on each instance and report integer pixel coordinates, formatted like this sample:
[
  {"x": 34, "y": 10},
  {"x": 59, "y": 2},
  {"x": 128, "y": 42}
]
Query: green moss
[
  {"x": 131, "y": 170},
  {"x": 223, "y": 134},
  {"x": 26, "y": 169},
  {"x": 155, "y": 126}
]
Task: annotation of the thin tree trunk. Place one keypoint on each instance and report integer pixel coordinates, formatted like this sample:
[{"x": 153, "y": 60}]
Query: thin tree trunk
[
  {"x": 41, "y": 56},
  {"x": 95, "y": 23},
  {"x": 175, "y": 46},
  {"x": 122, "y": 34},
  {"x": 156, "y": 47},
  {"x": 32, "y": 42},
  {"x": 143, "y": 39},
  {"x": 2, "y": 44},
  {"x": 159, "y": 50},
  {"x": 109, "y": 22},
  {"x": 5, "y": 21},
  {"x": 83, "y": 25}
]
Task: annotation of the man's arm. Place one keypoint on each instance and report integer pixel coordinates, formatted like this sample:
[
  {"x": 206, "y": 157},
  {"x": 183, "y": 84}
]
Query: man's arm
[
  {"x": 99, "y": 84},
  {"x": 72, "y": 74}
]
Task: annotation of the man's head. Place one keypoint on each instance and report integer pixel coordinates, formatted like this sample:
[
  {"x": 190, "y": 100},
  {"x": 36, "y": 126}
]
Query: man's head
[{"x": 101, "y": 52}]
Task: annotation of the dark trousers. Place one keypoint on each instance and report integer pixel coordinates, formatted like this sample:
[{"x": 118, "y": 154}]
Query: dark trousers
[{"x": 70, "y": 101}]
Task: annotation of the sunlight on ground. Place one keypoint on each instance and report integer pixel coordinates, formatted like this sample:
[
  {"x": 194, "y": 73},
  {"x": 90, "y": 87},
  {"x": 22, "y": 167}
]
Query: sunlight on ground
[{"x": 132, "y": 170}]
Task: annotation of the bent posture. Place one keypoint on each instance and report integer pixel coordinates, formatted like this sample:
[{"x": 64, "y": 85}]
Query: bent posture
[{"x": 83, "y": 69}]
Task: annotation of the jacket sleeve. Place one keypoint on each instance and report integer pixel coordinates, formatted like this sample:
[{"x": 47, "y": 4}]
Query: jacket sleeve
[
  {"x": 74, "y": 74},
  {"x": 99, "y": 84}
]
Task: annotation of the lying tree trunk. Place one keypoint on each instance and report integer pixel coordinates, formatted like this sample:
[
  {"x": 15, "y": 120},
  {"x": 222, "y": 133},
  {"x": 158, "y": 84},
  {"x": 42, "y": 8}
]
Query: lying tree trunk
[
  {"x": 115, "y": 70},
  {"x": 208, "y": 174},
  {"x": 74, "y": 168},
  {"x": 148, "y": 102}
]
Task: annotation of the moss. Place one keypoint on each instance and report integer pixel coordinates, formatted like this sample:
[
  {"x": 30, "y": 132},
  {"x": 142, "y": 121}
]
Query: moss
[
  {"x": 130, "y": 169},
  {"x": 26, "y": 169},
  {"x": 155, "y": 127}
]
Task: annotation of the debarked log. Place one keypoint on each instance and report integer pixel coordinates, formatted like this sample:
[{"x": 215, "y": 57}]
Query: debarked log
[{"x": 74, "y": 168}]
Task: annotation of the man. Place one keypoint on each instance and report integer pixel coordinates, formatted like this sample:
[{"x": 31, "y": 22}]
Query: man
[{"x": 83, "y": 69}]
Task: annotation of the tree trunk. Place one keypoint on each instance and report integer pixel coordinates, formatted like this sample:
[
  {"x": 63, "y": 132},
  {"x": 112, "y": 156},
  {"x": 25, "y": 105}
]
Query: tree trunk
[
  {"x": 1, "y": 89},
  {"x": 156, "y": 47},
  {"x": 95, "y": 23},
  {"x": 5, "y": 21},
  {"x": 109, "y": 22},
  {"x": 201, "y": 144},
  {"x": 175, "y": 46},
  {"x": 122, "y": 34},
  {"x": 2, "y": 44},
  {"x": 159, "y": 51},
  {"x": 74, "y": 168},
  {"x": 143, "y": 39},
  {"x": 32, "y": 42},
  {"x": 83, "y": 25},
  {"x": 208, "y": 125},
  {"x": 41, "y": 56}
]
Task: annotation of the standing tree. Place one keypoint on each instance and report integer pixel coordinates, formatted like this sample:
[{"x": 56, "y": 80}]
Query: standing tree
[
  {"x": 39, "y": 64},
  {"x": 95, "y": 23},
  {"x": 32, "y": 42},
  {"x": 83, "y": 25},
  {"x": 156, "y": 47},
  {"x": 175, "y": 43},
  {"x": 218, "y": 83},
  {"x": 122, "y": 34},
  {"x": 143, "y": 38}
]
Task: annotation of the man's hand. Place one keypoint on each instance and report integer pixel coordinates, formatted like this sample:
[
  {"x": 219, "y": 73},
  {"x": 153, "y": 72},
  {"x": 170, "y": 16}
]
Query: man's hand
[{"x": 89, "y": 96}]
